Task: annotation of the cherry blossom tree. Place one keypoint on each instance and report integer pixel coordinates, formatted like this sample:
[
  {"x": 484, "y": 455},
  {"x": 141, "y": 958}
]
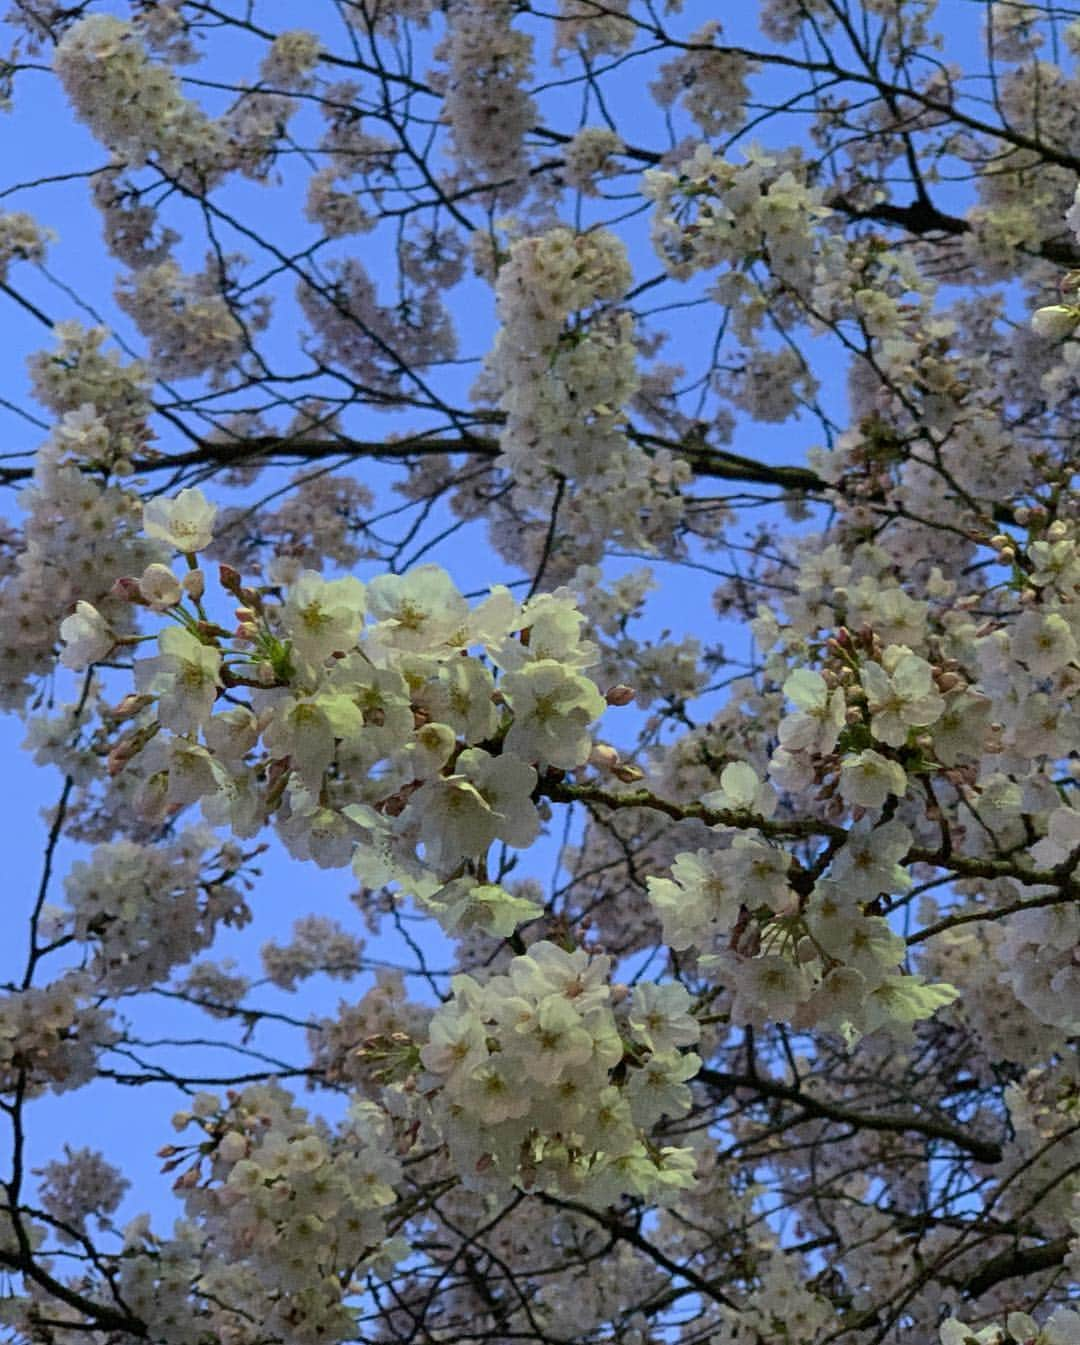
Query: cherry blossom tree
[{"x": 444, "y": 343}]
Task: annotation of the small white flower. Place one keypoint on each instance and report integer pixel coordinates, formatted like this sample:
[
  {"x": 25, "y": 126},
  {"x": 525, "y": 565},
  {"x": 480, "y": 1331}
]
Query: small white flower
[
  {"x": 86, "y": 636},
  {"x": 1022, "y": 1328},
  {"x": 660, "y": 1016},
  {"x": 900, "y": 695},
  {"x": 487, "y": 798},
  {"x": 1043, "y": 641},
  {"x": 185, "y": 677},
  {"x": 741, "y": 789},
  {"x": 867, "y": 779},
  {"x": 553, "y": 709},
  {"x": 186, "y": 523},
  {"x": 323, "y": 616},
  {"x": 817, "y": 725},
  {"x": 659, "y": 1087},
  {"x": 704, "y": 890},
  {"x": 767, "y": 988},
  {"x": 417, "y": 610}
]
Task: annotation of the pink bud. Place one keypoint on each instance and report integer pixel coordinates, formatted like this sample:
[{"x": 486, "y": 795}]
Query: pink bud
[
  {"x": 127, "y": 590},
  {"x": 229, "y": 578},
  {"x": 131, "y": 704}
]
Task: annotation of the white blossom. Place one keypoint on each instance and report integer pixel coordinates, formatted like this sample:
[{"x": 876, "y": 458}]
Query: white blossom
[
  {"x": 867, "y": 778},
  {"x": 186, "y": 522},
  {"x": 86, "y": 636}
]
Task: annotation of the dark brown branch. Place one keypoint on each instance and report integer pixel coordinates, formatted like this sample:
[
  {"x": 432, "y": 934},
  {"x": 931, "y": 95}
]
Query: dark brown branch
[
  {"x": 1012, "y": 1264},
  {"x": 705, "y": 462},
  {"x": 986, "y": 1151},
  {"x": 101, "y": 1314},
  {"x": 923, "y": 217}
]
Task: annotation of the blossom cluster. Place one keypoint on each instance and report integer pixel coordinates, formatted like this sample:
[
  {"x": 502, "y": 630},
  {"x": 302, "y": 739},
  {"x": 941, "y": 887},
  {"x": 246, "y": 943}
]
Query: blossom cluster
[
  {"x": 591, "y": 155},
  {"x": 21, "y": 239},
  {"x": 80, "y": 534},
  {"x": 191, "y": 327},
  {"x": 81, "y": 1185},
  {"x": 146, "y": 910},
  {"x": 132, "y": 104},
  {"x": 291, "y": 1201},
  {"x": 710, "y": 213},
  {"x": 534, "y": 1085},
  {"x": 487, "y": 109},
  {"x": 374, "y": 732},
  {"x": 711, "y": 84},
  {"x": 1060, "y": 1328},
  {"x": 54, "y": 1036},
  {"x": 564, "y": 366}
]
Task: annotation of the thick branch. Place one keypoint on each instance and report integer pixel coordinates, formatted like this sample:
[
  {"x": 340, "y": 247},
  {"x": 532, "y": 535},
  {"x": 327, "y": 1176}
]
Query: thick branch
[
  {"x": 103, "y": 1316},
  {"x": 559, "y": 791},
  {"x": 923, "y": 217},
  {"x": 1014, "y": 1263},
  {"x": 986, "y": 1151},
  {"x": 706, "y": 462}
]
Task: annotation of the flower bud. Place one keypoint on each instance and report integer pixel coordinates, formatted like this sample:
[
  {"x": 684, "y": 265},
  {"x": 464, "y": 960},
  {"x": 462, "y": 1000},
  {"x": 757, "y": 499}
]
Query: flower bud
[
  {"x": 603, "y": 757},
  {"x": 194, "y": 584},
  {"x": 210, "y": 630},
  {"x": 131, "y": 704},
  {"x": 230, "y": 579},
  {"x": 1055, "y": 322},
  {"x": 127, "y": 590},
  {"x": 619, "y": 695},
  {"x": 160, "y": 587}
]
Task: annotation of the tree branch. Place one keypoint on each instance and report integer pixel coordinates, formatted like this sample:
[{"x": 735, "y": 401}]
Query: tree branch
[{"x": 986, "y": 1151}]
